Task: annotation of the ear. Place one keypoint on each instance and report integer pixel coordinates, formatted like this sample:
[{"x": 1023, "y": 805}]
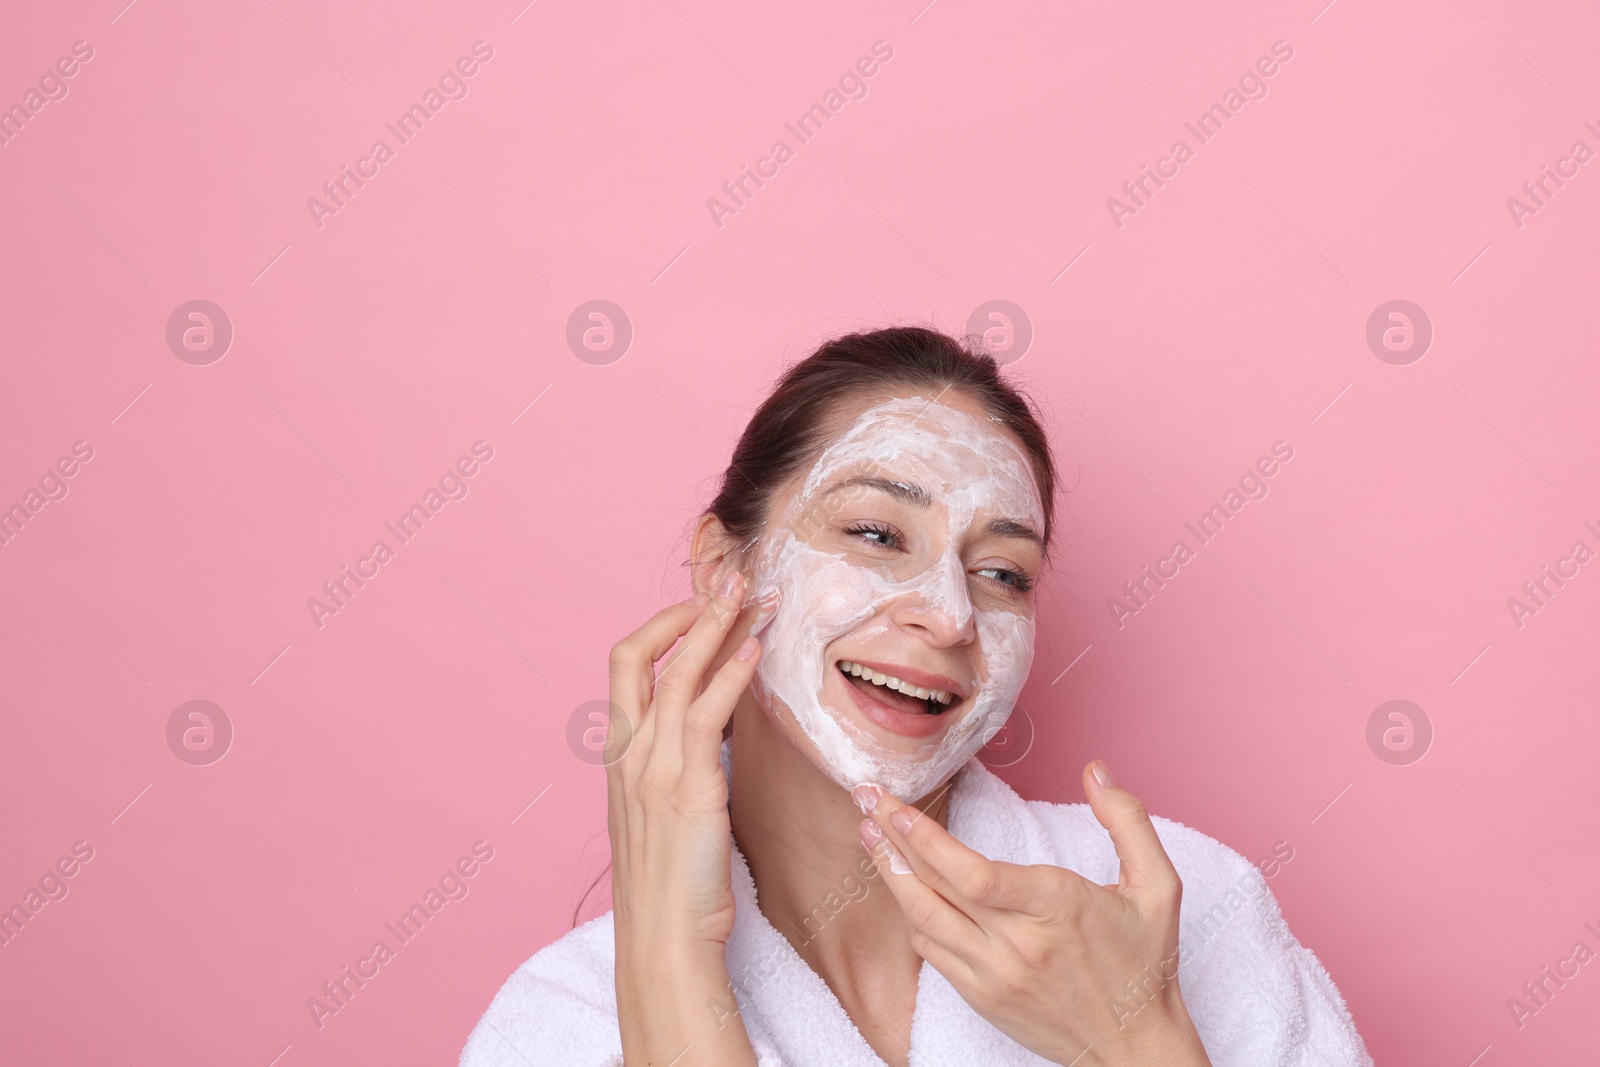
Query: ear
[{"x": 710, "y": 548}]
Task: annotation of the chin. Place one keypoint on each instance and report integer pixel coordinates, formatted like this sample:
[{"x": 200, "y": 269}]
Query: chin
[{"x": 848, "y": 749}]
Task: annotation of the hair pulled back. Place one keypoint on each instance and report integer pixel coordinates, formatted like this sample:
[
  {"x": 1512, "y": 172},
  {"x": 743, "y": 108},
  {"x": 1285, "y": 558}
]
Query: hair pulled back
[{"x": 786, "y": 434}]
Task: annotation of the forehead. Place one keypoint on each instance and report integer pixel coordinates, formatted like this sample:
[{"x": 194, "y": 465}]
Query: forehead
[{"x": 957, "y": 453}]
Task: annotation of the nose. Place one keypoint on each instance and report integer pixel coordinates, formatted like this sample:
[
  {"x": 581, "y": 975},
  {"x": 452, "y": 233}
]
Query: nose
[{"x": 943, "y": 610}]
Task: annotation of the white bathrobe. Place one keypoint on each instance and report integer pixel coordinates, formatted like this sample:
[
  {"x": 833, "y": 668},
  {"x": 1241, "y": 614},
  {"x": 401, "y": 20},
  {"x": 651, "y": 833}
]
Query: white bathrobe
[{"x": 1257, "y": 996}]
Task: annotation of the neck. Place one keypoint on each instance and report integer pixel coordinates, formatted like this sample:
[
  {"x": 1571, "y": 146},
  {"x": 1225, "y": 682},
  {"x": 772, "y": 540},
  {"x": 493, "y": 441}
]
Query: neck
[{"x": 815, "y": 882}]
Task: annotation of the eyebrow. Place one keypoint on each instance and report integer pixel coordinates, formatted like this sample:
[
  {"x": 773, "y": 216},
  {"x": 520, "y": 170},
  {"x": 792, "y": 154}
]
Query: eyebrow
[
  {"x": 1012, "y": 528},
  {"x": 902, "y": 491},
  {"x": 917, "y": 496}
]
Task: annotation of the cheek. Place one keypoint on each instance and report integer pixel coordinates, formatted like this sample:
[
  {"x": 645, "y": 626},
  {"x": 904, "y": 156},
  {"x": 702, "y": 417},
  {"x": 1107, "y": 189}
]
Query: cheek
[
  {"x": 823, "y": 597},
  {"x": 1007, "y": 642}
]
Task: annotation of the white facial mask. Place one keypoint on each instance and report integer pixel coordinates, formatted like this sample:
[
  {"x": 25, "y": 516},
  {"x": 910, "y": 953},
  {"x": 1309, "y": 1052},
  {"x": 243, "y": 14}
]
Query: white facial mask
[{"x": 967, "y": 466}]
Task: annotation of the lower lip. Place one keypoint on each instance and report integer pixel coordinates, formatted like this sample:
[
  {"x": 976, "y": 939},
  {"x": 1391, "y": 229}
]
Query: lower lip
[{"x": 893, "y": 719}]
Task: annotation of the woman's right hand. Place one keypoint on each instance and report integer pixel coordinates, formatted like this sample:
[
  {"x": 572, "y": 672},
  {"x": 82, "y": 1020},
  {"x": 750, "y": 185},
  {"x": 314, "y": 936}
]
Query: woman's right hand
[{"x": 671, "y": 877}]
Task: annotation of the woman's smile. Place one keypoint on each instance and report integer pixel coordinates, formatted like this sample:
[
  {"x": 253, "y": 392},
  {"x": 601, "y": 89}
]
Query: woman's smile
[{"x": 901, "y": 699}]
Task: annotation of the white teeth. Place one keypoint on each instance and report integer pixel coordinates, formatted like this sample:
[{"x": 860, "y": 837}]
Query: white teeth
[{"x": 889, "y": 680}]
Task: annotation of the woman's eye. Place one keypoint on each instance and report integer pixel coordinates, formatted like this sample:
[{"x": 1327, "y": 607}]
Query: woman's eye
[
  {"x": 878, "y": 535},
  {"x": 1006, "y": 576}
]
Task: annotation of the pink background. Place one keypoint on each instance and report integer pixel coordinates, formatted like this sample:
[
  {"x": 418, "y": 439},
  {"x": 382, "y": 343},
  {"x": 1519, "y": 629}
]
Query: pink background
[{"x": 368, "y": 354}]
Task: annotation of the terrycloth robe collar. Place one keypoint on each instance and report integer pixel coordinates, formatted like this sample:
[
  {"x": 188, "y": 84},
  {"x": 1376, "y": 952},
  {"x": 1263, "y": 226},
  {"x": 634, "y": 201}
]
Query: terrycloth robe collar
[{"x": 786, "y": 1005}]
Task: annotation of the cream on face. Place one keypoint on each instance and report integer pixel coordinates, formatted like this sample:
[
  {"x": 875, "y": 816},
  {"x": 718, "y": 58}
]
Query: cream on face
[{"x": 973, "y": 474}]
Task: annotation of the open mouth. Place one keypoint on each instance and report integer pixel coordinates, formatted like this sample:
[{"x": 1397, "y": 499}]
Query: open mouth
[{"x": 896, "y": 692}]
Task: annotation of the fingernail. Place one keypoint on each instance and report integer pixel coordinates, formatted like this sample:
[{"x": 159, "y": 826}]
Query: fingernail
[
  {"x": 747, "y": 649},
  {"x": 1102, "y": 774},
  {"x": 866, "y": 796},
  {"x": 729, "y": 585},
  {"x": 901, "y": 820},
  {"x": 870, "y": 831}
]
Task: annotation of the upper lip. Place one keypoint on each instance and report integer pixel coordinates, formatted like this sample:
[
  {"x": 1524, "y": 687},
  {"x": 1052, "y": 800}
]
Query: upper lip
[{"x": 925, "y": 679}]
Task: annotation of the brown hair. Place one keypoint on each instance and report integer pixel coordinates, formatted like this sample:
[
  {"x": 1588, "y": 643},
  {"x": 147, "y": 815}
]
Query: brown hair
[{"x": 787, "y": 431}]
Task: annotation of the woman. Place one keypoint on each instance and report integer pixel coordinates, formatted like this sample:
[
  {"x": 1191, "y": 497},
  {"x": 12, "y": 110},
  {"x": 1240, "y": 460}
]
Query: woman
[{"x": 809, "y": 865}]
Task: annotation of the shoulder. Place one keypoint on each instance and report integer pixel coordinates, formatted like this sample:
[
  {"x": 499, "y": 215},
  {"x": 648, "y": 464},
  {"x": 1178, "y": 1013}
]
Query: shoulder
[
  {"x": 560, "y": 1007},
  {"x": 1255, "y": 993}
]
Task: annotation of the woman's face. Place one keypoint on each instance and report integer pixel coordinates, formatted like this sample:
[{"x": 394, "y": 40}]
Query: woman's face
[{"x": 906, "y": 558}]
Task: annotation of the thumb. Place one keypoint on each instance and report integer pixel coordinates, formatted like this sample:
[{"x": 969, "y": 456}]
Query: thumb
[{"x": 1145, "y": 864}]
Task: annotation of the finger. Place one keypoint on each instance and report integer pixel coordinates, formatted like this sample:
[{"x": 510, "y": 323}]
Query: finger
[
  {"x": 683, "y": 673},
  {"x": 966, "y": 878},
  {"x": 1145, "y": 863},
  {"x": 632, "y": 670},
  {"x": 633, "y": 658},
  {"x": 703, "y": 722},
  {"x": 933, "y": 919},
  {"x": 750, "y": 619},
  {"x": 682, "y": 670}
]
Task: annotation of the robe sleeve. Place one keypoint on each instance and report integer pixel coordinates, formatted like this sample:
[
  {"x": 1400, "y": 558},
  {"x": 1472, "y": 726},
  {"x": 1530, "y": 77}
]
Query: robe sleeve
[
  {"x": 1257, "y": 996},
  {"x": 557, "y": 1010}
]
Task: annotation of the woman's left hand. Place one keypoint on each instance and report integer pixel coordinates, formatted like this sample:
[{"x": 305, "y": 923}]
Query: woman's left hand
[{"x": 1076, "y": 972}]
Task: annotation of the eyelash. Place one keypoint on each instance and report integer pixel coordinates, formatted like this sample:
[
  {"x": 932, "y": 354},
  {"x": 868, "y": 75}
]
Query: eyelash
[{"x": 1019, "y": 581}]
